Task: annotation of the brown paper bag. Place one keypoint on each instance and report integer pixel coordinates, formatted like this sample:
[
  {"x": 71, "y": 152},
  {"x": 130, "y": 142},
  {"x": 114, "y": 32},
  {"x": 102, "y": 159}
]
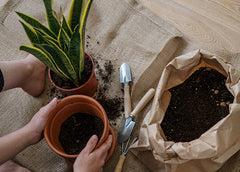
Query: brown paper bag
[{"x": 211, "y": 149}]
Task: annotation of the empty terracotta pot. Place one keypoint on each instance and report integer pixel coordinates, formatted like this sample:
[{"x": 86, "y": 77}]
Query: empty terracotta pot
[
  {"x": 88, "y": 88},
  {"x": 66, "y": 108}
]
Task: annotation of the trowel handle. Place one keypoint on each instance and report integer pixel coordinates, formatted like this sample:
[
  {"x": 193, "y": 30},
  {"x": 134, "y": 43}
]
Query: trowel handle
[
  {"x": 127, "y": 101},
  {"x": 119, "y": 166},
  {"x": 142, "y": 103}
]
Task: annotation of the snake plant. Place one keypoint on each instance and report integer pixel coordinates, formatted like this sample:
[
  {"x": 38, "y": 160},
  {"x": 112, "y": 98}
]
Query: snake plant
[{"x": 60, "y": 46}]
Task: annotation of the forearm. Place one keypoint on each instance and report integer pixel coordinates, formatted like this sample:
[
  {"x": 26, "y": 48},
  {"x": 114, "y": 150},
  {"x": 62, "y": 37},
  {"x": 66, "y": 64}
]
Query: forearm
[{"x": 13, "y": 143}]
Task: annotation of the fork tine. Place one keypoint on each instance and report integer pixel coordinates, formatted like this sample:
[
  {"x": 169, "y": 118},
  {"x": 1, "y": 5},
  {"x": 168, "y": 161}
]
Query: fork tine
[
  {"x": 122, "y": 147},
  {"x": 127, "y": 144},
  {"x": 134, "y": 140}
]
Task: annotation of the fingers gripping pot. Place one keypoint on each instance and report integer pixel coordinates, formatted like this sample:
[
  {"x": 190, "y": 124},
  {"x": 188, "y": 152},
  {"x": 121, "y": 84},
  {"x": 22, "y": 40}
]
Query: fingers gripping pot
[{"x": 66, "y": 108}]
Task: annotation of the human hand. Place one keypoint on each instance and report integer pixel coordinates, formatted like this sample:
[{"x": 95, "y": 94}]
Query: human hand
[
  {"x": 90, "y": 160},
  {"x": 39, "y": 120}
]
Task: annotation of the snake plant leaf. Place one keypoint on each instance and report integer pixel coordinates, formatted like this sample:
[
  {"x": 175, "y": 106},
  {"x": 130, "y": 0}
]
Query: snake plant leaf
[
  {"x": 46, "y": 37},
  {"x": 61, "y": 11},
  {"x": 62, "y": 61},
  {"x": 52, "y": 20},
  {"x": 66, "y": 27},
  {"x": 55, "y": 68},
  {"x": 75, "y": 13},
  {"x": 36, "y": 24},
  {"x": 82, "y": 34},
  {"x": 42, "y": 56},
  {"x": 74, "y": 50},
  {"x": 41, "y": 39},
  {"x": 31, "y": 34},
  {"x": 63, "y": 40}
]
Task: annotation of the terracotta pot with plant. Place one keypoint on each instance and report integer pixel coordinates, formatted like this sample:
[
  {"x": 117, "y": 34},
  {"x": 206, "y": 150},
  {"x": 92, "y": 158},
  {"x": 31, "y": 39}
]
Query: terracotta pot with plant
[
  {"x": 61, "y": 47},
  {"x": 72, "y": 114}
]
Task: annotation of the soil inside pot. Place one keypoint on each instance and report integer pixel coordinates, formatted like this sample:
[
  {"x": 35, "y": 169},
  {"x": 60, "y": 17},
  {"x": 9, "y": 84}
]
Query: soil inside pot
[
  {"x": 76, "y": 131},
  {"x": 68, "y": 84},
  {"x": 196, "y": 105}
]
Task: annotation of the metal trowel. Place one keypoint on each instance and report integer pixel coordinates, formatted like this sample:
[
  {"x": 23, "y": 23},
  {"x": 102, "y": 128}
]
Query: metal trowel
[
  {"x": 128, "y": 124},
  {"x": 125, "y": 78}
]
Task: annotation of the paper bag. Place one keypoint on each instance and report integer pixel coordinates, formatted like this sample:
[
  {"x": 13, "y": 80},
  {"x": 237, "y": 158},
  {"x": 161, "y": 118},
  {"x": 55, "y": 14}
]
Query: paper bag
[{"x": 212, "y": 148}]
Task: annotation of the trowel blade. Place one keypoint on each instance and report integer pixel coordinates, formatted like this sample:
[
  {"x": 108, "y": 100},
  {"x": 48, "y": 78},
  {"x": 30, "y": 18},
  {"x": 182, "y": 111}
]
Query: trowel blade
[
  {"x": 125, "y": 130},
  {"x": 125, "y": 74}
]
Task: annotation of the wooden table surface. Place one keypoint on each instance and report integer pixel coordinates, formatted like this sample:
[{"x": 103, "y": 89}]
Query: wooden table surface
[{"x": 213, "y": 25}]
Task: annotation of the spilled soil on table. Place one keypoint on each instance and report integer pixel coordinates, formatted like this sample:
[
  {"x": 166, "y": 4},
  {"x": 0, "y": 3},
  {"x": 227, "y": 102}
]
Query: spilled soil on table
[{"x": 113, "y": 105}]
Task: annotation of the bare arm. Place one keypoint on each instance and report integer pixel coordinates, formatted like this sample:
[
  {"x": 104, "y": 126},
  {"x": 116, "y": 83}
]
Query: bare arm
[{"x": 15, "y": 142}]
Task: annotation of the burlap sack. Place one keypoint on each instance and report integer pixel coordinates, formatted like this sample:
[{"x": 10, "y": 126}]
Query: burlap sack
[
  {"x": 211, "y": 149},
  {"x": 117, "y": 31}
]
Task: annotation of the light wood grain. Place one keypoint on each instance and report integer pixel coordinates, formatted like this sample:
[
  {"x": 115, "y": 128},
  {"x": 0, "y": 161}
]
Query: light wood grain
[
  {"x": 213, "y": 25},
  {"x": 127, "y": 101}
]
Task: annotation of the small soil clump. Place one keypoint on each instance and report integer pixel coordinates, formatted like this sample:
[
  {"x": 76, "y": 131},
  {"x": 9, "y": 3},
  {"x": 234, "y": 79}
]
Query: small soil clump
[
  {"x": 196, "y": 105},
  {"x": 68, "y": 84},
  {"x": 77, "y": 130},
  {"x": 112, "y": 105}
]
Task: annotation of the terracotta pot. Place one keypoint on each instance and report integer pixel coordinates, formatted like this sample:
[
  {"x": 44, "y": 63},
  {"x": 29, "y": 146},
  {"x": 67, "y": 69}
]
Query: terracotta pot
[
  {"x": 88, "y": 88},
  {"x": 67, "y": 107}
]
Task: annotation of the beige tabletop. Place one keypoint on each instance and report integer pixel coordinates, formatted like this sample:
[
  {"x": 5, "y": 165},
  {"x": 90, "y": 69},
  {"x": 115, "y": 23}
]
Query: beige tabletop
[{"x": 212, "y": 25}]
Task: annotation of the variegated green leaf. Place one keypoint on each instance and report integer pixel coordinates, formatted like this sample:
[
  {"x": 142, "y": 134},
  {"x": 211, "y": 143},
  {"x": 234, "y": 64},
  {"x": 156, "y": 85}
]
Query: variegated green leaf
[
  {"x": 56, "y": 68},
  {"x": 66, "y": 27},
  {"x": 62, "y": 61},
  {"x": 41, "y": 38},
  {"x": 63, "y": 40},
  {"x": 46, "y": 37},
  {"x": 36, "y": 24},
  {"x": 43, "y": 57},
  {"x": 82, "y": 34},
  {"x": 31, "y": 34},
  {"x": 75, "y": 13},
  {"x": 52, "y": 20},
  {"x": 74, "y": 50}
]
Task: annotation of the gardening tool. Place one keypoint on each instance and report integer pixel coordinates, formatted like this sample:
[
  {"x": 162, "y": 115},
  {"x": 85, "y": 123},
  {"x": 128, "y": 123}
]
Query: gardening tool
[
  {"x": 125, "y": 78},
  {"x": 122, "y": 157},
  {"x": 128, "y": 124}
]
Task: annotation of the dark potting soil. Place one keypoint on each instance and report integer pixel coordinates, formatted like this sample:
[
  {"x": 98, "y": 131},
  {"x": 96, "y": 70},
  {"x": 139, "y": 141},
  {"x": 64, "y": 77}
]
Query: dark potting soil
[
  {"x": 68, "y": 84},
  {"x": 196, "y": 105},
  {"x": 76, "y": 131},
  {"x": 112, "y": 105}
]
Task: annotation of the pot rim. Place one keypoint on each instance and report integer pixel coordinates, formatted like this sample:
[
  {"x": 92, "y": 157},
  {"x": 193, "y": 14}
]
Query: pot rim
[
  {"x": 81, "y": 86},
  {"x": 103, "y": 119},
  {"x": 52, "y": 115}
]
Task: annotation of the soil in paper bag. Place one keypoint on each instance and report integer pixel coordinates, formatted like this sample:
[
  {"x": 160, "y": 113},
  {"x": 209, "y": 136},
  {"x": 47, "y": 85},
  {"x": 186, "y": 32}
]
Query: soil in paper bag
[{"x": 196, "y": 105}]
